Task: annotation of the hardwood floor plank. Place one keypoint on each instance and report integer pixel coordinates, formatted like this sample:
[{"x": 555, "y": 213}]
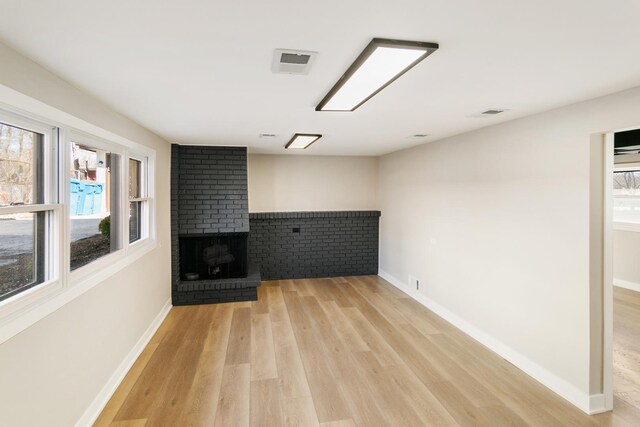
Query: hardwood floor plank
[
  {"x": 178, "y": 383},
  {"x": 396, "y": 408},
  {"x": 263, "y": 356},
  {"x": 328, "y": 396},
  {"x": 121, "y": 394},
  {"x": 239, "y": 348},
  {"x": 389, "y": 288},
  {"x": 261, "y": 306},
  {"x": 275, "y": 302},
  {"x": 350, "y": 338},
  {"x": 153, "y": 382},
  {"x": 385, "y": 354},
  {"x": 341, "y": 423},
  {"x": 453, "y": 372},
  {"x": 202, "y": 400},
  {"x": 300, "y": 412},
  {"x": 266, "y": 403},
  {"x": 338, "y": 296},
  {"x": 291, "y": 374},
  {"x": 423, "y": 400},
  {"x": 289, "y": 286},
  {"x": 460, "y": 408},
  {"x": 129, "y": 423},
  {"x": 322, "y": 289},
  {"x": 501, "y": 416},
  {"x": 357, "y": 383},
  {"x": 234, "y": 401},
  {"x": 510, "y": 386},
  {"x": 167, "y": 325}
]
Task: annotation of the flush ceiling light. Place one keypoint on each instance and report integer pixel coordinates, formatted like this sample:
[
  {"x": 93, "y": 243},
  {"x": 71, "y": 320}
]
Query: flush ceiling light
[
  {"x": 301, "y": 141},
  {"x": 379, "y": 64}
]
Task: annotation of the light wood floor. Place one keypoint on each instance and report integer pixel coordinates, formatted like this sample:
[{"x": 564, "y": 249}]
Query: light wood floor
[
  {"x": 344, "y": 352},
  {"x": 626, "y": 347}
]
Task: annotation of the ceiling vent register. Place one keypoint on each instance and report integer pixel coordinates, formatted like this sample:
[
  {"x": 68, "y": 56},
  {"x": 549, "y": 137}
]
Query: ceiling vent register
[{"x": 287, "y": 61}]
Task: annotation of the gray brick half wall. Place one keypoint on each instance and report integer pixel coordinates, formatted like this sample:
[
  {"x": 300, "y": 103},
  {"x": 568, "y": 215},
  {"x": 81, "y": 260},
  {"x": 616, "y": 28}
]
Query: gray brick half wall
[{"x": 292, "y": 245}]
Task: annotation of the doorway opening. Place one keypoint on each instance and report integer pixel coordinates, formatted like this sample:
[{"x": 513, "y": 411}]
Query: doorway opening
[
  {"x": 621, "y": 271},
  {"x": 626, "y": 268}
]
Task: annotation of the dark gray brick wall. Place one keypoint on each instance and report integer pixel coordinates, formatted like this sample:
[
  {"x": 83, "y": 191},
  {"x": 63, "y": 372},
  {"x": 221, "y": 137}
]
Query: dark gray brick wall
[
  {"x": 208, "y": 196},
  {"x": 327, "y": 244},
  {"x": 212, "y": 190}
]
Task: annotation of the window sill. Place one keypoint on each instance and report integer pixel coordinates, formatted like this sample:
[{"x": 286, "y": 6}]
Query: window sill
[
  {"x": 626, "y": 226},
  {"x": 29, "y": 307}
]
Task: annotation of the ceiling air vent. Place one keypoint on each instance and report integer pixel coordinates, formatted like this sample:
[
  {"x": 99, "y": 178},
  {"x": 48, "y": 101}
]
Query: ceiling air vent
[
  {"x": 492, "y": 112},
  {"x": 287, "y": 61}
]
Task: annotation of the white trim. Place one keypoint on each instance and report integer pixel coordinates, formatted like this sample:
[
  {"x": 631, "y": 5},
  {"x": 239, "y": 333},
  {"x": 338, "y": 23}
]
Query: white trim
[
  {"x": 550, "y": 380},
  {"x": 16, "y": 209},
  {"x": 626, "y": 226},
  {"x": 598, "y": 404},
  {"x": 100, "y": 401},
  {"x": 626, "y": 167},
  {"x": 607, "y": 273},
  {"x": 632, "y": 286},
  {"x": 23, "y": 300}
]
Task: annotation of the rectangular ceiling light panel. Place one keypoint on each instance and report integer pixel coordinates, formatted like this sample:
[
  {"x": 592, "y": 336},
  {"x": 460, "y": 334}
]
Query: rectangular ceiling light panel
[
  {"x": 301, "y": 141},
  {"x": 381, "y": 62}
]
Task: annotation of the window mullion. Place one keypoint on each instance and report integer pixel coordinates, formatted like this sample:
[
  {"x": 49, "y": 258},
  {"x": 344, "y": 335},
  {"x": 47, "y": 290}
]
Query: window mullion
[
  {"x": 64, "y": 190},
  {"x": 124, "y": 202}
]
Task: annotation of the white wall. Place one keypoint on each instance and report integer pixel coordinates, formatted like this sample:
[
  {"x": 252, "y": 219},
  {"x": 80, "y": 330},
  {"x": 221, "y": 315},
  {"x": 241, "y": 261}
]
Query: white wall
[
  {"x": 311, "y": 183},
  {"x": 496, "y": 225},
  {"x": 51, "y": 372},
  {"x": 626, "y": 259}
]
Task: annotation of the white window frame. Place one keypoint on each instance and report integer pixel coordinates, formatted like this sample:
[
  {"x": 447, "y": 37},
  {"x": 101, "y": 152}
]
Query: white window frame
[
  {"x": 104, "y": 261},
  {"x": 25, "y": 308},
  {"x": 51, "y": 204},
  {"x": 144, "y": 197},
  {"x": 619, "y": 225}
]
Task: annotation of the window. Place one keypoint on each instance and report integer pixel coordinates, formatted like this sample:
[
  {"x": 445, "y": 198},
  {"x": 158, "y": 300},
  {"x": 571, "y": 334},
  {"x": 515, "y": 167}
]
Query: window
[
  {"x": 626, "y": 196},
  {"x": 138, "y": 200},
  {"x": 26, "y": 208},
  {"x": 93, "y": 203},
  {"x": 70, "y": 203},
  {"x": 72, "y": 197}
]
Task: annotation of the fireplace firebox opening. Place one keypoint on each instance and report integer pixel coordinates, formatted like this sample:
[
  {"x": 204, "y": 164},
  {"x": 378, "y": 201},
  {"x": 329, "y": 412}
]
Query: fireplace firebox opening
[{"x": 211, "y": 257}]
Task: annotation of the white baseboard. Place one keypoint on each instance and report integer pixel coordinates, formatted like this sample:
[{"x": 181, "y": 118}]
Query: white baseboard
[
  {"x": 590, "y": 404},
  {"x": 100, "y": 401},
  {"x": 597, "y": 404},
  {"x": 627, "y": 285}
]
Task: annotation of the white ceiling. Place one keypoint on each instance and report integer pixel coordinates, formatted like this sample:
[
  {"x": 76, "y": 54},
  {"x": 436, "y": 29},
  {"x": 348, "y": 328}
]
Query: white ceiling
[{"x": 198, "y": 71}]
